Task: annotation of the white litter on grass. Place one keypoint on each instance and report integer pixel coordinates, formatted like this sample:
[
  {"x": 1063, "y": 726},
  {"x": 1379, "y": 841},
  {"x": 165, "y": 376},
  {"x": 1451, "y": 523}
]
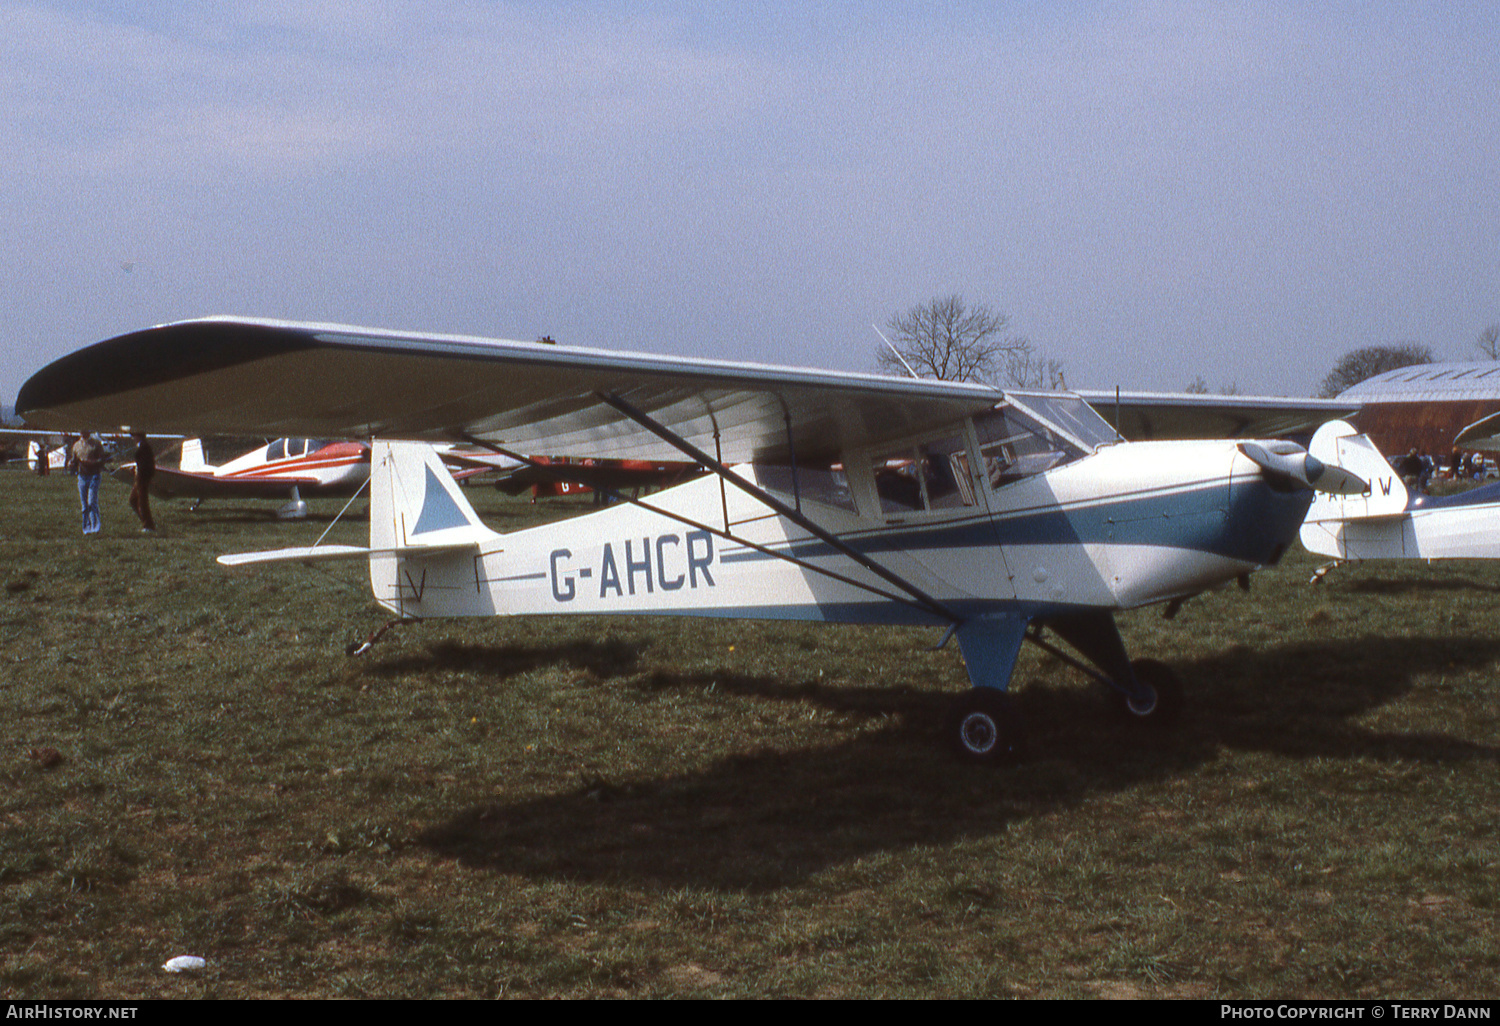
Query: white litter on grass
[{"x": 184, "y": 964}]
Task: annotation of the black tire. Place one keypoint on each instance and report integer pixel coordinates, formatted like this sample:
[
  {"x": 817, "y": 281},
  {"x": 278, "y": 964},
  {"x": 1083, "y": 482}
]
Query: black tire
[
  {"x": 983, "y": 727},
  {"x": 1165, "y": 704}
]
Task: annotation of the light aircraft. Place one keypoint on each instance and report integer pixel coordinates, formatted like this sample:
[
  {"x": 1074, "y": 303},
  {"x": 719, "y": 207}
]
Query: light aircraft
[
  {"x": 832, "y": 496},
  {"x": 289, "y": 468},
  {"x": 284, "y": 468},
  {"x": 1388, "y": 521}
]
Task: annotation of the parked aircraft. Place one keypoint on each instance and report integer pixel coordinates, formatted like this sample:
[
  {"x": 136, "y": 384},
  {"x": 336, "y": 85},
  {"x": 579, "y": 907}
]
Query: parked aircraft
[
  {"x": 1389, "y": 521},
  {"x": 833, "y": 496},
  {"x": 284, "y": 468}
]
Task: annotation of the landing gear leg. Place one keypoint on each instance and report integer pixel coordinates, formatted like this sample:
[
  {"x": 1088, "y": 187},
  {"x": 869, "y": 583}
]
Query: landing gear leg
[
  {"x": 982, "y": 726},
  {"x": 1147, "y": 691}
]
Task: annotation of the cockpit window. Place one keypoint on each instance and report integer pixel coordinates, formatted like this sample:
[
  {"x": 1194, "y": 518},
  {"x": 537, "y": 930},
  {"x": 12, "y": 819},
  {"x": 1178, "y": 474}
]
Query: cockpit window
[
  {"x": 1069, "y": 414},
  {"x": 1014, "y": 445}
]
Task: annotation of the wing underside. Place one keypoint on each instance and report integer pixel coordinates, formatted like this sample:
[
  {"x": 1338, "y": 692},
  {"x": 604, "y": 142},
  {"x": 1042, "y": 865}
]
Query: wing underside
[{"x": 239, "y": 376}]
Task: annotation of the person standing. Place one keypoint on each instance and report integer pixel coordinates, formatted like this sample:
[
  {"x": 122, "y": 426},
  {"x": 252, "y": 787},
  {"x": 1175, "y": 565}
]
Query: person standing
[
  {"x": 88, "y": 459},
  {"x": 140, "y": 492}
]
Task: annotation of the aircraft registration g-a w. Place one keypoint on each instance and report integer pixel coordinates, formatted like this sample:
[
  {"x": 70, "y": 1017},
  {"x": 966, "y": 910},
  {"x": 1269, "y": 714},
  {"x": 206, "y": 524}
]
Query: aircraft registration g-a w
[
  {"x": 1391, "y": 521},
  {"x": 836, "y": 497}
]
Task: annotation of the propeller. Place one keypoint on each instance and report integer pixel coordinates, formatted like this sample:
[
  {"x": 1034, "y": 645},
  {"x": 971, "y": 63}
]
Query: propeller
[{"x": 1291, "y": 461}]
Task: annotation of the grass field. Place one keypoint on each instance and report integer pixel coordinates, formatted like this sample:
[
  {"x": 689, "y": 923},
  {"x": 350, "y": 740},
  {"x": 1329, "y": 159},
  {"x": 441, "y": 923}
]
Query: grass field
[{"x": 653, "y": 807}]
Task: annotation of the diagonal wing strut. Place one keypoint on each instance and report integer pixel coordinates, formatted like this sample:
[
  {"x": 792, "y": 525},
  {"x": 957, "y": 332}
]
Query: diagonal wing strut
[
  {"x": 561, "y": 474},
  {"x": 796, "y": 516}
]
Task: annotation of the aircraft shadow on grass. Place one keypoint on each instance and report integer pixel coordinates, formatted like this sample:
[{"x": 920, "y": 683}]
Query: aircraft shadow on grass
[
  {"x": 766, "y": 818},
  {"x": 1415, "y": 586},
  {"x": 604, "y": 659}
]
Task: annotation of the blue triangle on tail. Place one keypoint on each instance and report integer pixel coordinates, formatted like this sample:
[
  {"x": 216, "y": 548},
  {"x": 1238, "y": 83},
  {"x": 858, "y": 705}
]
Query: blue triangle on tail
[{"x": 439, "y": 511}]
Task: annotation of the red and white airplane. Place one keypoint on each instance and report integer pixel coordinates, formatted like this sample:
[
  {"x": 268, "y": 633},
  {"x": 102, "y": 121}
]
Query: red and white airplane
[
  {"x": 287, "y": 468},
  {"x": 292, "y": 468}
]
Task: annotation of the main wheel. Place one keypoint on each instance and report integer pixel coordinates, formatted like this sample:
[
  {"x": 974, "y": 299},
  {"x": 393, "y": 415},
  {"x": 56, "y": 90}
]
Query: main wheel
[
  {"x": 983, "y": 727},
  {"x": 1164, "y": 704}
]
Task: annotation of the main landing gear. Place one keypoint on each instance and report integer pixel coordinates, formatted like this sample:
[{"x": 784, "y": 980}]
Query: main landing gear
[{"x": 984, "y": 727}]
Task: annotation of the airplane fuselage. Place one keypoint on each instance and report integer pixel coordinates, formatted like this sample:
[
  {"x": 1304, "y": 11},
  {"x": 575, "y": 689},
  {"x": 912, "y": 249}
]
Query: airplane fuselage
[
  {"x": 1128, "y": 526},
  {"x": 272, "y": 472}
]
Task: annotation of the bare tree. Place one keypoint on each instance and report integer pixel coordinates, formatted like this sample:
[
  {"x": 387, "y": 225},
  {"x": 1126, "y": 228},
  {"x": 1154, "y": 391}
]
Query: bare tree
[
  {"x": 1360, "y": 364},
  {"x": 1198, "y": 386},
  {"x": 1025, "y": 368},
  {"x": 944, "y": 339},
  {"x": 1489, "y": 342}
]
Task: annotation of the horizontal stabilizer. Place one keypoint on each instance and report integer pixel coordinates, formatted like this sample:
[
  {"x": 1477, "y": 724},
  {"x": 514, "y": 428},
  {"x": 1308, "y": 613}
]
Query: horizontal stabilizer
[
  {"x": 298, "y": 554},
  {"x": 305, "y": 553}
]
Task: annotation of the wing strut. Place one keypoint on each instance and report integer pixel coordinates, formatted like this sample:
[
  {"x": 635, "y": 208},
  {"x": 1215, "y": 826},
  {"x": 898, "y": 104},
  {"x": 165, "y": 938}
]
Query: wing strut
[{"x": 931, "y": 604}]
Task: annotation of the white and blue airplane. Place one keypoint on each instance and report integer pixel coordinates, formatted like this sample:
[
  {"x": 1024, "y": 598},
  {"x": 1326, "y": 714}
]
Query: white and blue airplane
[
  {"x": 835, "y": 497},
  {"x": 1389, "y": 521}
]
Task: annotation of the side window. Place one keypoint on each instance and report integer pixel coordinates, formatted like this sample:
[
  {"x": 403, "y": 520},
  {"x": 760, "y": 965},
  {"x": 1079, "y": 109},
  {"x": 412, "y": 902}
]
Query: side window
[
  {"x": 931, "y": 475},
  {"x": 828, "y": 485},
  {"x": 276, "y": 450}
]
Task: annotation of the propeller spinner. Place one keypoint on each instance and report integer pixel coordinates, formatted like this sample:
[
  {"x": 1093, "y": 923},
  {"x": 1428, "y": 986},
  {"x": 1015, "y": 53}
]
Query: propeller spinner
[{"x": 1290, "y": 460}]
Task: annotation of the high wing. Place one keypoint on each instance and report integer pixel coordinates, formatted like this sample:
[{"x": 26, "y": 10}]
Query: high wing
[
  {"x": 246, "y": 376},
  {"x": 1162, "y": 416}
]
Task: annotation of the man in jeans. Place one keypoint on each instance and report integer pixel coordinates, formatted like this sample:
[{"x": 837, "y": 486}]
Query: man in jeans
[{"x": 88, "y": 459}]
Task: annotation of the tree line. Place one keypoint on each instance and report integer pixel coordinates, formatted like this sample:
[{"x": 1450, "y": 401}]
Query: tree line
[{"x": 946, "y": 338}]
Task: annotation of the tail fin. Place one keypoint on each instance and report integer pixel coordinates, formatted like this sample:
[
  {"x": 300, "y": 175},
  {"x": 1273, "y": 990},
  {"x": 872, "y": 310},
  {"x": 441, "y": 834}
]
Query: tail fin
[
  {"x": 423, "y": 535},
  {"x": 1338, "y": 444},
  {"x": 415, "y": 503},
  {"x": 1330, "y": 528},
  {"x": 192, "y": 457}
]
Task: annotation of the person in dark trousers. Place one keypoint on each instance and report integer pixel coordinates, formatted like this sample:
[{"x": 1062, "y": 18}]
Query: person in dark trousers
[{"x": 140, "y": 492}]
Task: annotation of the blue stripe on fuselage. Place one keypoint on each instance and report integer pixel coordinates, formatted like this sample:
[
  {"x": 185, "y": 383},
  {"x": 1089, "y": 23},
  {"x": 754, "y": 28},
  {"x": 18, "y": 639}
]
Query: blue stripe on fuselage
[{"x": 1195, "y": 518}]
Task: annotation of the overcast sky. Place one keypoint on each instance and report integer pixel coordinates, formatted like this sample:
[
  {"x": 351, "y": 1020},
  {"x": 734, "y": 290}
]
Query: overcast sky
[{"x": 1152, "y": 192}]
